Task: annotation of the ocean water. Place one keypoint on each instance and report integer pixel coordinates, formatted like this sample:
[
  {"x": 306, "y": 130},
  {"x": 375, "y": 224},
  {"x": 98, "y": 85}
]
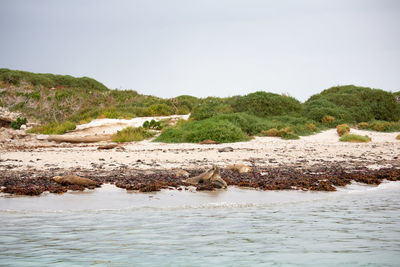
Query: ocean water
[{"x": 356, "y": 226}]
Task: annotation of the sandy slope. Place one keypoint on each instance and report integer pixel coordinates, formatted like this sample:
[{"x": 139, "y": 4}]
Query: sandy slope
[{"x": 111, "y": 126}]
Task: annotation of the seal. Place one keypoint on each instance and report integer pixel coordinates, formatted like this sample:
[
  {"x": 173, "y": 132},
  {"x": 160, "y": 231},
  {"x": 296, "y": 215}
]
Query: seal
[
  {"x": 74, "y": 180},
  {"x": 212, "y": 176},
  {"x": 240, "y": 168}
]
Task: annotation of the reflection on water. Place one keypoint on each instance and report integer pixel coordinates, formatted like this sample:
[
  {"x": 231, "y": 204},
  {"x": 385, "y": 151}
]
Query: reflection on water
[{"x": 357, "y": 226}]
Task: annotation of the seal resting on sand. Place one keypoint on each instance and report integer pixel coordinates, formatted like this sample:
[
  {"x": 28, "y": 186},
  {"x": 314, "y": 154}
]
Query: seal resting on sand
[
  {"x": 74, "y": 180},
  {"x": 110, "y": 146},
  {"x": 208, "y": 142},
  {"x": 212, "y": 176},
  {"x": 240, "y": 168}
]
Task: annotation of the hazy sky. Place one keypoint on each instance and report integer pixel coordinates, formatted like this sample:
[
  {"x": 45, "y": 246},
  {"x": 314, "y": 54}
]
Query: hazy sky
[{"x": 207, "y": 47}]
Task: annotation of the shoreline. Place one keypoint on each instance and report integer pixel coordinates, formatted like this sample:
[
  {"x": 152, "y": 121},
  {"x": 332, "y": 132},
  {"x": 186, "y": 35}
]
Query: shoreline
[
  {"x": 316, "y": 178},
  {"x": 317, "y": 162}
]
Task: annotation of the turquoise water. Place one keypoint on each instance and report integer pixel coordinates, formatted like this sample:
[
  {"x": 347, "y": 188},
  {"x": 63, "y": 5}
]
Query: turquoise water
[{"x": 357, "y": 226}]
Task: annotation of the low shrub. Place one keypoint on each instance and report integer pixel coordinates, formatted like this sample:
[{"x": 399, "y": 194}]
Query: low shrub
[
  {"x": 363, "y": 125},
  {"x": 54, "y": 128},
  {"x": 342, "y": 129},
  {"x": 380, "y": 126},
  {"x": 130, "y": 134},
  {"x": 284, "y": 131},
  {"x": 311, "y": 127},
  {"x": 398, "y": 137},
  {"x": 270, "y": 132},
  {"x": 210, "y": 107},
  {"x": 355, "y": 138},
  {"x": 328, "y": 119},
  {"x": 18, "y": 123},
  {"x": 385, "y": 126},
  {"x": 290, "y": 136}
]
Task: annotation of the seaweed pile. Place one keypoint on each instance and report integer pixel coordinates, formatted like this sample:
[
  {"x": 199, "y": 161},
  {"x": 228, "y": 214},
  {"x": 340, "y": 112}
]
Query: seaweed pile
[{"x": 317, "y": 178}]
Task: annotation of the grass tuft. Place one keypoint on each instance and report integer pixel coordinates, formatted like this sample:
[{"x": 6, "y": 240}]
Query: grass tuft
[
  {"x": 53, "y": 128},
  {"x": 130, "y": 134},
  {"x": 355, "y": 138}
]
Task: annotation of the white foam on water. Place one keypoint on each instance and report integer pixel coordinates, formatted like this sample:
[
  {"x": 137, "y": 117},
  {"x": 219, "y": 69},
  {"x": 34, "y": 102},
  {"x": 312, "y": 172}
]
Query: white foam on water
[{"x": 356, "y": 187}]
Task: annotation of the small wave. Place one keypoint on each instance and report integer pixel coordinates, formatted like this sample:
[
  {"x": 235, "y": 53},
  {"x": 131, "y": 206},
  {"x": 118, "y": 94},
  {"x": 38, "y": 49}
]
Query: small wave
[{"x": 356, "y": 187}]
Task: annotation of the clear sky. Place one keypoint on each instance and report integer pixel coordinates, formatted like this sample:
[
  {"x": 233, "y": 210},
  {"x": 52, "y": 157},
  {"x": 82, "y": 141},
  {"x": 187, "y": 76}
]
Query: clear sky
[{"x": 207, "y": 47}]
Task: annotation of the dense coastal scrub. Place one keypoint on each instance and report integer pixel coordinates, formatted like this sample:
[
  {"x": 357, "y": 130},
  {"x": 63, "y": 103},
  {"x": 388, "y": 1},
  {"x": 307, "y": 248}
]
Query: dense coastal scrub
[
  {"x": 60, "y": 102},
  {"x": 222, "y": 131},
  {"x": 352, "y": 104}
]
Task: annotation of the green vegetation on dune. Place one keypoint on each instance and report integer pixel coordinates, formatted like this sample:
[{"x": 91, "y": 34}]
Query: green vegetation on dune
[
  {"x": 16, "y": 77},
  {"x": 238, "y": 127},
  {"x": 261, "y": 104},
  {"x": 62, "y": 101},
  {"x": 54, "y": 99}
]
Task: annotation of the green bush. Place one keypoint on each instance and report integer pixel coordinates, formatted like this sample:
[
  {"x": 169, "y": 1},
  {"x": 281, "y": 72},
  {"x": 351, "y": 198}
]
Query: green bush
[
  {"x": 184, "y": 103},
  {"x": 265, "y": 104},
  {"x": 130, "y": 134},
  {"x": 355, "y": 138},
  {"x": 18, "y": 123},
  {"x": 197, "y": 131},
  {"x": 155, "y": 125},
  {"x": 54, "y": 128},
  {"x": 210, "y": 107},
  {"x": 160, "y": 110}
]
